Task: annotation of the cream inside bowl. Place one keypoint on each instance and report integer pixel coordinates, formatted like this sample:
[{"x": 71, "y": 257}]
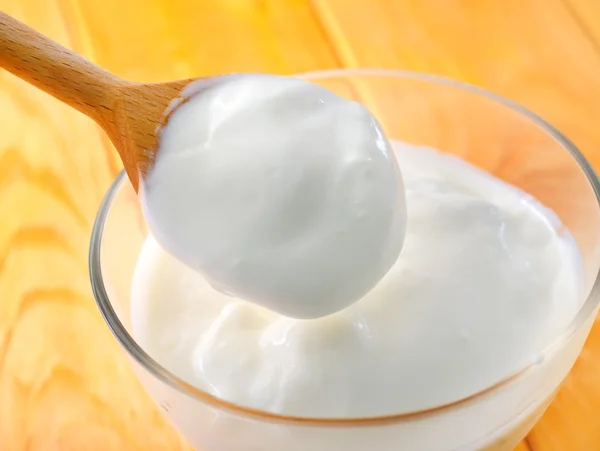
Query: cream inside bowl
[{"x": 460, "y": 345}]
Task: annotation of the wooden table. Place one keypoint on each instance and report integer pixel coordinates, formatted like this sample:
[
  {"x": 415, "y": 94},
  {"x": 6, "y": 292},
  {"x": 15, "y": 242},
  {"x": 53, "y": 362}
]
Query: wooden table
[{"x": 63, "y": 384}]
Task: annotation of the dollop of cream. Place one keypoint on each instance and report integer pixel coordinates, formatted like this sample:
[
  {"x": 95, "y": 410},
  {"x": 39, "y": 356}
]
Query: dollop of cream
[{"x": 279, "y": 192}]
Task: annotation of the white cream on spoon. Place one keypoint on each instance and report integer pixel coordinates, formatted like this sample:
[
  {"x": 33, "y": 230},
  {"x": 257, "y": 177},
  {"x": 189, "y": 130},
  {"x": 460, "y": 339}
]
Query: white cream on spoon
[{"x": 279, "y": 192}]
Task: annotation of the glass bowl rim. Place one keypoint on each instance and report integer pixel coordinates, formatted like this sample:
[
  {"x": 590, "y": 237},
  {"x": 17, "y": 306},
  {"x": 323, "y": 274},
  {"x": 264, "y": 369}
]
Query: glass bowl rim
[{"x": 165, "y": 376}]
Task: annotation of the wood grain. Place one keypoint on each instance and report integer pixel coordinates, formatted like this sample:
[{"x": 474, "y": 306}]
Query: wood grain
[
  {"x": 586, "y": 13},
  {"x": 54, "y": 69},
  {"x": 180, "y": 39},
  {"x": 58, "y": 364},
  {"x": 129, "y": 113},
  {"x": 63, "y": 383}
]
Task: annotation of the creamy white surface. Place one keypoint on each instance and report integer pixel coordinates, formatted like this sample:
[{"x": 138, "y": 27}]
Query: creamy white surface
[
  {"x": 486, "y": 279},
  {"x": 279, "y": 192}
]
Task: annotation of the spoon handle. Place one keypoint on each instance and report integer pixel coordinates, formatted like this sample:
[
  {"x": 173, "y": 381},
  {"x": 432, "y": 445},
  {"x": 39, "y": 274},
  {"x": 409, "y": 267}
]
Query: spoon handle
[{"x": 55, "y": 69}]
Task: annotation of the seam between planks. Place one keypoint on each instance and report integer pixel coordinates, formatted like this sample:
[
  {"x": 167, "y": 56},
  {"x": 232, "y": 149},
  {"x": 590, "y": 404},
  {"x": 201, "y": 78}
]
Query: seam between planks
[
  {"x": 322, "y": 27},
  {"x": 585, "y": 29},
  {"x": 334, "y": 35}
]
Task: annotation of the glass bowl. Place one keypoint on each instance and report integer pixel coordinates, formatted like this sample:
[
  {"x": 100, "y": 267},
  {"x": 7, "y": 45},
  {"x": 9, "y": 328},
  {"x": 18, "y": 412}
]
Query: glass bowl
[{"x": 485, "y": 129}]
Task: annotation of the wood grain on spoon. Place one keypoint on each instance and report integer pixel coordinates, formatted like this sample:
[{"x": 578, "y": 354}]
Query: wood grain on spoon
[{"x": 130, "y": 113}]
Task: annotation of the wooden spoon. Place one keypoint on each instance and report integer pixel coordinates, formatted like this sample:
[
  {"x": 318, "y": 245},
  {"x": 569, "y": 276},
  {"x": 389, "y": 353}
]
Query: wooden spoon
[{"x": 130, "y": 113}]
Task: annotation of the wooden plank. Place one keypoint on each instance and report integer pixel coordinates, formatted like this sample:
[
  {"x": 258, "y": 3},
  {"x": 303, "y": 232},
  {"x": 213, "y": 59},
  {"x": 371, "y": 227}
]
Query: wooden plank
[
  {"x": 178, "y": 39},
  {"x": 533, "y": 52},
  {"x": 523, "y": 447},
  {"x": 587, "y": 14},
  {"x": 64, "y": 384},
  {"x": 54, "y": 349}
]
